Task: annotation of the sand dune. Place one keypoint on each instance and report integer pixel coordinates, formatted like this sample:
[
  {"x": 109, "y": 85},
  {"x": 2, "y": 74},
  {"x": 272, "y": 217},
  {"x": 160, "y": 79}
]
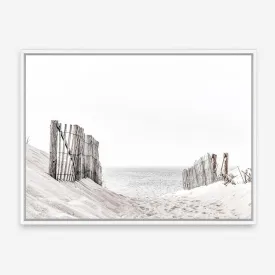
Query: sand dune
[{"x": 47, "y": 198}]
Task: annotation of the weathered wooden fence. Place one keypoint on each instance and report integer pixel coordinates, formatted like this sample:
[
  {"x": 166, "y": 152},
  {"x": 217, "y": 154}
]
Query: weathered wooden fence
[
  {"x": 73, "y": 155},
  {"x": 206, "y": 170}
]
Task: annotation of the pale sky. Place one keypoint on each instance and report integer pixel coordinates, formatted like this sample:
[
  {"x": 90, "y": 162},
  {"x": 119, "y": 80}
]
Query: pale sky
[{"x": 145, "y": 110}]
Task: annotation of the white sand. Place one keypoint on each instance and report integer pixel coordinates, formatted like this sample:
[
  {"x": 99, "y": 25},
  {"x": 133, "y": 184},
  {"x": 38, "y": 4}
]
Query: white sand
[{"x": 47, "y": 198}]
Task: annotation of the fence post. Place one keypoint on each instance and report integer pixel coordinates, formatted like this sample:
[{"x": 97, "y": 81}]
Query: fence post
[
  {"x": 59, "y": 152},
  {"x": 96, "y": 167},
  {"x": 225, "y": 155},
  {"x": 82, "y": 156},
  {"x": 214, "y": 167},
  {"x": 94, "y": 161},
  {"x": 86, "y": 174},
  {"x": 77, "y": 153},
  {"x": 53, "y": 148},
  {"x": 89, "y": 157}
]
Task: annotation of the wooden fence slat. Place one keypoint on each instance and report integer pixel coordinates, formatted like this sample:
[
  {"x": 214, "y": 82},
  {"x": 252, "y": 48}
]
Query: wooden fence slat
[
  {"x": 226, "y": 164},
  {"x": 85, "y": 156},
  {"x": 76, "y": 151},
  {"x": 68, "y": 152},
  {"x": 96, "y": 163},
  {"x": 75, "y": 155},
  {"x": 53, "y": 149},
  {"x": 82, "y": 156},
  {"x": 71, "y": 178},
  {"x": 77, "y": 166},
  {"x": 214, "y": 167},
  {"x": 86, "y": 150},
  {"x": 93, "y": 160},
  {"x": 88, "y": 167},
  {"x": 59, "y": 151},
  {"x": 70, "y": 173},
  {"x": 63, "y": 152},
  {"x": 89, "y": 158}
]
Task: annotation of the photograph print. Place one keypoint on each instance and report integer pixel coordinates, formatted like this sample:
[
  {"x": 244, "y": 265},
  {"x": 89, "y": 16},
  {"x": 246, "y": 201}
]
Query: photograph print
[{"x": 138, "y": 137}]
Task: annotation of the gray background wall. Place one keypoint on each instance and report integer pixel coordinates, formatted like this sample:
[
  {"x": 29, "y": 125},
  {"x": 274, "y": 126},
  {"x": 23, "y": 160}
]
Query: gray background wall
[{"x": 141, "y": 24}]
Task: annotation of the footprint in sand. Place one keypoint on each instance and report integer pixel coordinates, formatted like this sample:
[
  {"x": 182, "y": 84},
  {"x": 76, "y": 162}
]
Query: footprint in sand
[{"x": 149, "y": 214}]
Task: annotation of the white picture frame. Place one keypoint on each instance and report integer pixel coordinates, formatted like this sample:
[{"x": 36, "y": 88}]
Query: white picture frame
[{"x": 23, "y": 55}]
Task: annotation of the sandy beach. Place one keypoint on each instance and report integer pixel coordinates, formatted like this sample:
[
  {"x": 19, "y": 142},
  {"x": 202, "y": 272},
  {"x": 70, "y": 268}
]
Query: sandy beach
[{"x": 47, "y": 198}]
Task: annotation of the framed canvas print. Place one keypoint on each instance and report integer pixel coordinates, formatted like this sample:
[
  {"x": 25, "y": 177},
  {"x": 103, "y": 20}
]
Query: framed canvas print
[{"x": 138, "y": 137}]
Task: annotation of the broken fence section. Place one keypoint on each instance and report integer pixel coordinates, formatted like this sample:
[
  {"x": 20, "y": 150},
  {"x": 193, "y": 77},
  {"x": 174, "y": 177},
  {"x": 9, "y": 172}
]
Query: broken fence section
[
  {"x": 206, "y": 170},
  {"x": 73, "y": 155}
]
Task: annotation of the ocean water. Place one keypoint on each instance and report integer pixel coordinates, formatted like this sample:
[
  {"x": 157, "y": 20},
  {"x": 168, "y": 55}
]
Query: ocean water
[{"x": 140, "y": 182}]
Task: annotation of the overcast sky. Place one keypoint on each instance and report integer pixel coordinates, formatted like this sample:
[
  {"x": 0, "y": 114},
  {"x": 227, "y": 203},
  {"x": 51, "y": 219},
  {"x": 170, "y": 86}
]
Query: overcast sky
[{"x": 145, "y": 110}]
